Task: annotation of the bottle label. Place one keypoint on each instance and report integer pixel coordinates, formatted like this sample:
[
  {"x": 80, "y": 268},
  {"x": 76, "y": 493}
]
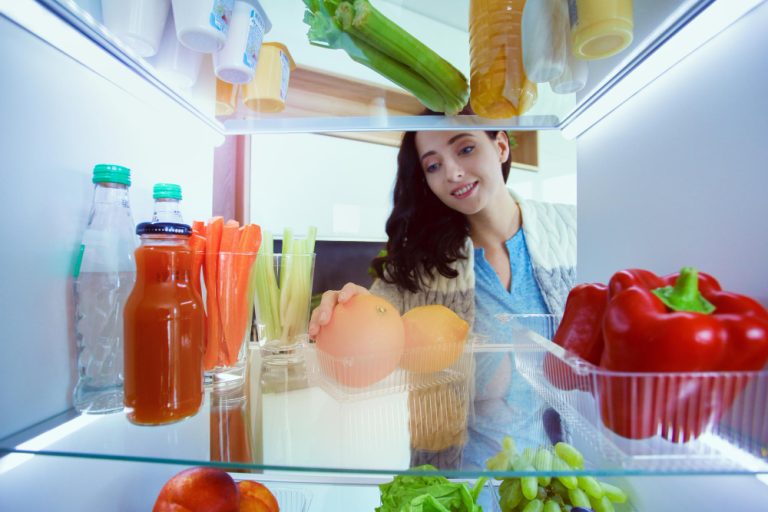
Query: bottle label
[
  {"x": 221, "y": 13},
  {"x": 573, "y": 13},
  {"x": 78, "y": 261},
  {"x": 255, "y": 36}
]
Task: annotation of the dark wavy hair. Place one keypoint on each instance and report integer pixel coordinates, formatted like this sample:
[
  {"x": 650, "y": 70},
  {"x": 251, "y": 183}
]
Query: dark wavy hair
[{"x": 424, "y": 235}]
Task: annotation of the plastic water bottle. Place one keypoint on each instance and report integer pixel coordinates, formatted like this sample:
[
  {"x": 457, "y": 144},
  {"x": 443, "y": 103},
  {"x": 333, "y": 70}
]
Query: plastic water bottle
[
  {"x": 544, "y": 31},
  {"x": 104, "y": 276},
  {"x": 167, "y": 203}
]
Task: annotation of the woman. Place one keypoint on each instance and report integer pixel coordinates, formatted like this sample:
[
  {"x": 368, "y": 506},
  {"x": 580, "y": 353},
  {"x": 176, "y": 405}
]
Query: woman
[{"x": 459, "y": 237}]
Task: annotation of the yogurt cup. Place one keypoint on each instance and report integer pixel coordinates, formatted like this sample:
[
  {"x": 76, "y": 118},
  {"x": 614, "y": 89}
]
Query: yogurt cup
[
  {"x": 236, "y": 61},
  {"x": 137, "y": 23},
  {"x": 267, "y": 91},
  {"x": 202, "y": 25},
  {"x": 226, "y": 98},
  {"x": 175, "y": 62}
]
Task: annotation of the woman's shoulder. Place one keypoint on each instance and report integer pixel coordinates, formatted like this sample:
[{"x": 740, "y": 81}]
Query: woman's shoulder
[{"x": 547, "y": 215}]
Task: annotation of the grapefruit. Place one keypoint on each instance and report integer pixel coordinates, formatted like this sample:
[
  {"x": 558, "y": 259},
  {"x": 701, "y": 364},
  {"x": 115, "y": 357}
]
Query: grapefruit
[
  {"x": 434, "y": 338},
  {"x": 363, "y": 342}
]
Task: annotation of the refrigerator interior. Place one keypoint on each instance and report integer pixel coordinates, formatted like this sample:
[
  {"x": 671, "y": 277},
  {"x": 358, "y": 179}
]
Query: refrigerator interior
[{"x": 675, "y": 176}]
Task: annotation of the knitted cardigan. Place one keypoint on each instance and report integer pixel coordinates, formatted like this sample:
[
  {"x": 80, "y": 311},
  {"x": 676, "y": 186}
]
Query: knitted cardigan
[{"x": 550, "y": 233}]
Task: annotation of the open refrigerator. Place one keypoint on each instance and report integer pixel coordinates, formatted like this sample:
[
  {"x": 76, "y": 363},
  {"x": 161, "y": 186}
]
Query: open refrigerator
[{"x": 670, "y": 158}]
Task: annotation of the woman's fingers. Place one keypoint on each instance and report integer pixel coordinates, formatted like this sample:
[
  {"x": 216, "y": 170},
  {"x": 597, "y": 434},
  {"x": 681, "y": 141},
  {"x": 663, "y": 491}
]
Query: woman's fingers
[
  {"x": 350, "y": 290},
  {"x": 322, "y": 313}
]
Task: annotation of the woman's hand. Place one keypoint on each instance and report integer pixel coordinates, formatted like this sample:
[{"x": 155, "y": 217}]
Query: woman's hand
[{"x": 322, "y": 313}]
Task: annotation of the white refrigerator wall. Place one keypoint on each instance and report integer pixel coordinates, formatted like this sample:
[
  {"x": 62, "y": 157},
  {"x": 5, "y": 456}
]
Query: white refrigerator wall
[
  {"x": 677, "y": 175},
  {"x": 58, "y": 120}
]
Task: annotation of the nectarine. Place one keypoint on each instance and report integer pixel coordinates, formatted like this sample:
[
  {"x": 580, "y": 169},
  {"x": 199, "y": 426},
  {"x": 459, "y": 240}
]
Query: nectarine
[
  {"x": 255, "y": 497},
  {"x": 199, "y": 489}
]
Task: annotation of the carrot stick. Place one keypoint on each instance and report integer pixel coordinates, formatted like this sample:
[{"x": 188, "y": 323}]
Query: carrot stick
[
  {"x": 214, "y": 231},
  {"x": 248, "y": 246},
  {"x": 226, "y": 282}
]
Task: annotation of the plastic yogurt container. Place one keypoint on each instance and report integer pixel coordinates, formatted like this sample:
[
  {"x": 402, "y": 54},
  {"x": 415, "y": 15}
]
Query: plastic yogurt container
[
  {"x": 202, "y": 25},
  {"x": 236, "y": 61},
  {"x": 267, "y": 92}
]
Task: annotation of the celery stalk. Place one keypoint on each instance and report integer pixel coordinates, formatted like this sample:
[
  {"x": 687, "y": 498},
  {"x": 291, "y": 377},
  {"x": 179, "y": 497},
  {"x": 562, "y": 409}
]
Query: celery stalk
[
  {"x": 325, "y": 32},
  {"x": 372, "y": 27}
]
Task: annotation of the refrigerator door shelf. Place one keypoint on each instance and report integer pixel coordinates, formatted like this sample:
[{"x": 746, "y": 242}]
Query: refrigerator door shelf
[{"x": 371, "y": 103}]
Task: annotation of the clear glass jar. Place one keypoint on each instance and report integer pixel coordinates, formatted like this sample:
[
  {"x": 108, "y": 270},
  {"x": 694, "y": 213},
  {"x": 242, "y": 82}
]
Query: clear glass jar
[{"x": 164, "y": 329}]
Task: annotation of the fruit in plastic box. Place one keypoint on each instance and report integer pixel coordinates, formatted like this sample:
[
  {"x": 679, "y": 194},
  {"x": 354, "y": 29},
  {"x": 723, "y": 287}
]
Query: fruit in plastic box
[
  {"x": 363, "y": 342},
  {"x": 434, "y": 338}
]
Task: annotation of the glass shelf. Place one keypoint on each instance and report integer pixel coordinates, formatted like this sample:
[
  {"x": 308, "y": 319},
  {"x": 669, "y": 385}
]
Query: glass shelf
[
  {"x": 365, "y": 101},
  {"x": 286, "y": 419}
]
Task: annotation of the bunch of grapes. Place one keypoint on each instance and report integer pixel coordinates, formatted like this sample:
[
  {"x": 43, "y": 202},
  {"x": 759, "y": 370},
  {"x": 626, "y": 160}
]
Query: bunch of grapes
[{"x": 550, "y": 494}]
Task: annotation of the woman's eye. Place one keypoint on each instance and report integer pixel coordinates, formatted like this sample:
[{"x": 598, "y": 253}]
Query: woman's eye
[
  {"x": 432, "y": 167},
  {"x": 466, "y": 150}
]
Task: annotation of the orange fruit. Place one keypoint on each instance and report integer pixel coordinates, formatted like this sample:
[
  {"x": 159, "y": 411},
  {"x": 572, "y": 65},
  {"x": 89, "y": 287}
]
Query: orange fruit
[
  {"x": 255, "y": 497},
  {"x": 434, "y": 338},
  {"x": 363, "y": 341}
]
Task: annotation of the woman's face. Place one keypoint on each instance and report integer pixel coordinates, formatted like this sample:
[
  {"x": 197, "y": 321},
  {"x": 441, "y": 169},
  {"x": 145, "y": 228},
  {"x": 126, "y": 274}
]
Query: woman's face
[{"x": 463, "y": 168}]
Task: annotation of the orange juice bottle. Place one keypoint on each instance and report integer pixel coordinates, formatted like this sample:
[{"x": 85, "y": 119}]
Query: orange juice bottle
[
  {"x": 499, "y": 87},
  {"x": 164, "y": 324}
]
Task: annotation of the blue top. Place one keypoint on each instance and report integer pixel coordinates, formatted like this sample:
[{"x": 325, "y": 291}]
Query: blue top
[{"x": 504, "y": 404}]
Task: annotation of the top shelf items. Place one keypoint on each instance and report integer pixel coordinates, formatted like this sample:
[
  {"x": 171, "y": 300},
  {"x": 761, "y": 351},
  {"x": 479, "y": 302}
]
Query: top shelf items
[{"x": 501, "y": 88}]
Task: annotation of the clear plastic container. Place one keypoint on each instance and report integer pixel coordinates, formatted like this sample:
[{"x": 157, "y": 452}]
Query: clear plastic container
[
  {"x": 138, "y": 23},
  {"x": 235, "y": 62},
  {"x": 104, "y": 275},
  {"x": 268, "y": 90},
  {"x": 340, "y": 376},
  {"x": 499, "y": 86},
  {"x": 575, "y": 72},
  {"x": 675, "y": 420},
  {"x": 600, "y": 28},
  {"x": 545, "y": 30}
]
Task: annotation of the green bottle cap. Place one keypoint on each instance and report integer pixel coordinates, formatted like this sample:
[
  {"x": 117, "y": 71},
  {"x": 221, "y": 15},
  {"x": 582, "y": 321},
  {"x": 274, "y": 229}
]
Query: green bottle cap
[
  {"x": 166, "y": 191},
  {"x": 110, "y": 173}
]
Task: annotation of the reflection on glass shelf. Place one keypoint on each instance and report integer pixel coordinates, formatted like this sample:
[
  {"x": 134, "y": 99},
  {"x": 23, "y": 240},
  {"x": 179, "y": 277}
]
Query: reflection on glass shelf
[
  {"x": 287, "y": 420},
  {"x": 328, "y": 91}
]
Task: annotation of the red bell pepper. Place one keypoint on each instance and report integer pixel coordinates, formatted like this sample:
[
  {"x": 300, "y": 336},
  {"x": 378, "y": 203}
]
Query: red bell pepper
[
  {"x": 652, "y": 327},
  {"x": 581, "y": 333}
]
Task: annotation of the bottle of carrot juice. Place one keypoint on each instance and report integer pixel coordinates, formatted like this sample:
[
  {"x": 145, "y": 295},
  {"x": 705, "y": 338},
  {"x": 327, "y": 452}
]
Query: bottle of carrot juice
[{"x": 164, "y": 324}]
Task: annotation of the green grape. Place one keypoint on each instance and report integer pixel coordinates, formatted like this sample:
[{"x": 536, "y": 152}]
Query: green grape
[
  {"x": 528, "y": 455},
  {"x": 559, "y": 489},
  {"x": 510, "y": 494},
  {"x": 530, "y": 487},
  {"x": 543, "y": 462},
  {"x": 570, "y": 455},
  {"x": 508, "y": 445},
  {"x": 578, "y": 498},
  {"x": 534, "y": 506},
  {"x": 559, "y": 464},
  {"x": 499, "y": 462},
  {"x": 590, "y": 486},
  {"x": 552, "y": 506},
  {"x": 613, "y": 493},
  {"x": 601, "y": 504}
]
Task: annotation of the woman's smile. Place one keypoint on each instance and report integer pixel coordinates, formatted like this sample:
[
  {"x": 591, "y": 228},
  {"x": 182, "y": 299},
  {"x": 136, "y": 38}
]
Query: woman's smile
[{"x": 464, "y": 190}]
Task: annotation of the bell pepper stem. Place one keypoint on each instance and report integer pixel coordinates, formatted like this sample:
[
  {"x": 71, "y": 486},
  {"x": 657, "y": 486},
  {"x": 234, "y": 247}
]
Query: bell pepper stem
[{"x": 685, "y": 294}]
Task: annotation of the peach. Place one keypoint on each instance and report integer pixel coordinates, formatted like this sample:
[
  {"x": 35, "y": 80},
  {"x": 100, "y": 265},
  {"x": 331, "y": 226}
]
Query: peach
[
  {"x": 255, "y": 497},
  {"x": 199, "y": 489}
]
